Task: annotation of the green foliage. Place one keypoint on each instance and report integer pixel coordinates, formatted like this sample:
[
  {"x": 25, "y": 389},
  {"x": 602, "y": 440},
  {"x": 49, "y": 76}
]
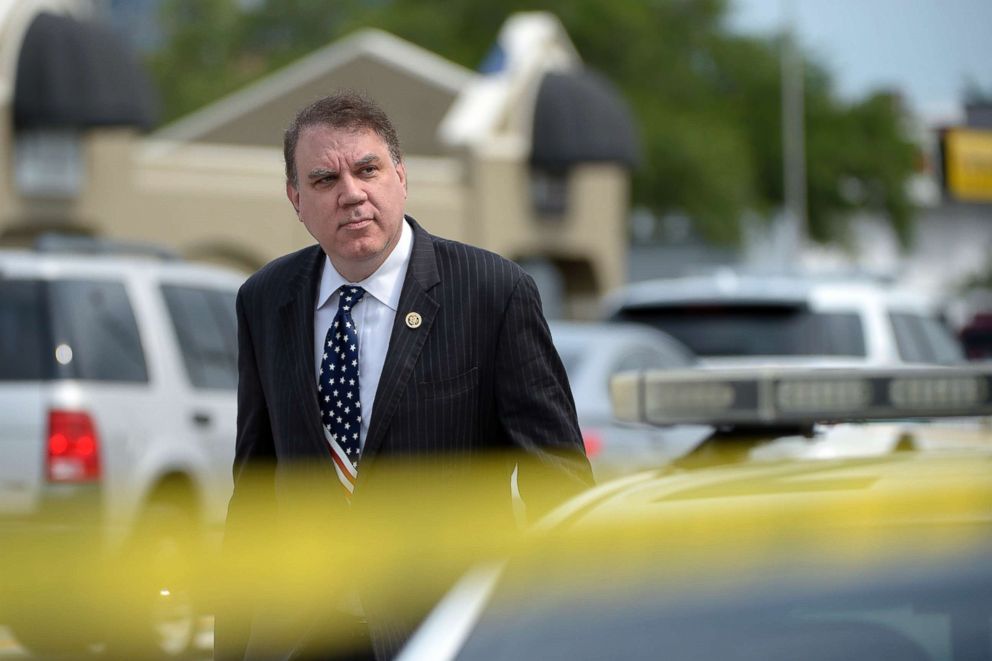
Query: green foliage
[
  {"x": 199, "y": 63},
  {"x": 707, "y": 101}
]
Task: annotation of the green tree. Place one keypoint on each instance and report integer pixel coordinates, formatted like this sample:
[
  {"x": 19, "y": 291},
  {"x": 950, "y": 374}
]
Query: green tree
[
  {"x": 707, "y": 101},
  {"x": 200, "y": 60}
]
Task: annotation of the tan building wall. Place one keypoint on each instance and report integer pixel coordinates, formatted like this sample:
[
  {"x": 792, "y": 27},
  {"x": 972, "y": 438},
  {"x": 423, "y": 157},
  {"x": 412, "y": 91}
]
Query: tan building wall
[
  {"x": 228, "y": 204},
  {"x": 587, "y": 243}
]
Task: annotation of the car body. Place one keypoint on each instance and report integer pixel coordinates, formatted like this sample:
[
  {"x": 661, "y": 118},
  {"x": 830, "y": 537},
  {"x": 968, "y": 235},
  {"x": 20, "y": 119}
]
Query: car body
[
  {"x": 117, "y": 381},
  {"x": 732, "y": 318},
  {"x": 741, "y": 553},
  {"x": 592, "y": 353}
]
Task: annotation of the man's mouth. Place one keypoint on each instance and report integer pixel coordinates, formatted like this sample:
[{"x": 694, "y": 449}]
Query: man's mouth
[{"x": 357, "y": 224}]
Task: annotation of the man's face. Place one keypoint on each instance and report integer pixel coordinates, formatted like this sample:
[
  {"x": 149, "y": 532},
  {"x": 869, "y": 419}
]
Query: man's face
[{"x": 350, "y": 196}]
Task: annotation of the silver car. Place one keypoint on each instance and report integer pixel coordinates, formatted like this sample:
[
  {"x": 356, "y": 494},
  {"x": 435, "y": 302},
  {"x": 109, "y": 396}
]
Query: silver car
[
  {"x": 592, "y": 353},
  {"x": 731, "y": 318}
]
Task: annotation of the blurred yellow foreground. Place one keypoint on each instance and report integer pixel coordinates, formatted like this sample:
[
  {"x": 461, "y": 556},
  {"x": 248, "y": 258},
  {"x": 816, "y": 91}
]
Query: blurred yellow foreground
[{"x": 401, "y": 548}]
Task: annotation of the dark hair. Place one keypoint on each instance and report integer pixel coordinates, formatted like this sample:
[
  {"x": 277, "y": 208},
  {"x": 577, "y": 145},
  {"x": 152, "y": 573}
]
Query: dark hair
[{"x": 344, "y": 109}]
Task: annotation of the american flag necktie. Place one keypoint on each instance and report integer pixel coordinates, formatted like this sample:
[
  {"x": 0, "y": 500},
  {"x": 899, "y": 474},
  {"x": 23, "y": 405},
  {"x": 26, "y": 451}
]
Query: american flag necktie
[{"x": 338, "y": 391}]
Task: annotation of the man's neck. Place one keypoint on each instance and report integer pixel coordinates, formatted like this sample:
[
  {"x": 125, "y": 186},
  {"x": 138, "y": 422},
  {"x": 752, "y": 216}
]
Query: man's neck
[{"x": 353, "y": 272}]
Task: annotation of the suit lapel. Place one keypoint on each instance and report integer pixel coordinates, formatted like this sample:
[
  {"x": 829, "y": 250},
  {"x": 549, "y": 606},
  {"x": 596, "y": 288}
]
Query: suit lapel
[
  {"x": 296, "y": 315},
  {"x": 405, "y": 343}
]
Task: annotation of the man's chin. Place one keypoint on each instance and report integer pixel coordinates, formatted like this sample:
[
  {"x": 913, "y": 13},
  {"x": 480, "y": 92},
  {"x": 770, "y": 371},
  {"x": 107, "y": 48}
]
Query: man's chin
[{"x": 360, "y": 257}]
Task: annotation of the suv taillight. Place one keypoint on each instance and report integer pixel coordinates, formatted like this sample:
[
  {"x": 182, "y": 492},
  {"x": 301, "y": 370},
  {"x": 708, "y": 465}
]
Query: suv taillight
[
  {"x": 593, "y": 441},
  {"x": 73, "y": 447}
]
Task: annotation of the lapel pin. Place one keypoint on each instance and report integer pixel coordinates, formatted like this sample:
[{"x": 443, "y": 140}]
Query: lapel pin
[{"x": 413, "y": 320}]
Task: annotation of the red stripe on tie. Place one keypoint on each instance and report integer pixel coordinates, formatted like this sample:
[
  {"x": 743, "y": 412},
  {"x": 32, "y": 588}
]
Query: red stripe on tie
[{"x": 343, "y": 474}]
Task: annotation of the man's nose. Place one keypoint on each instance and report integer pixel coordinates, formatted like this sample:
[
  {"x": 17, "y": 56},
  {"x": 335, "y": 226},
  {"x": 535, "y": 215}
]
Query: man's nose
[{"x": 352, "y": 191}]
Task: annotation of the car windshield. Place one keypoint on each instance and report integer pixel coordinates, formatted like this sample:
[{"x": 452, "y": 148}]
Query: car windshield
[
  {"x": 907, "y": 610},
  {"x": 767, "y": 330}
]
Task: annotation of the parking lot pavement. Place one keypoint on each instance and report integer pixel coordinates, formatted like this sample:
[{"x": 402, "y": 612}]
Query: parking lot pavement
[{"x": 202, "y": 649}]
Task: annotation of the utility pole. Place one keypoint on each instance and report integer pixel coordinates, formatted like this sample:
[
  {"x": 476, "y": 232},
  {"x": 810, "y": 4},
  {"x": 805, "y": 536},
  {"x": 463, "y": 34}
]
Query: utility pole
[{"x": 793, "y": 133}]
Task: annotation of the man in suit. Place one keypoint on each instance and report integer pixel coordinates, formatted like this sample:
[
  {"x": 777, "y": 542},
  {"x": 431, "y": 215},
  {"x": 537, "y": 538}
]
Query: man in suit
[{"x": 445, "y": 352}]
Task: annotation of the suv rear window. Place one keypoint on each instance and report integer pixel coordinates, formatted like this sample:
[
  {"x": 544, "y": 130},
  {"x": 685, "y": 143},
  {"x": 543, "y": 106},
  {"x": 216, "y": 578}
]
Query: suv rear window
[
  {"x": 722, "y": 330},
  {"x": 95, "y": 320},
  {"x": 23, "y": 332},
  {"x": 71, "y": 329}
]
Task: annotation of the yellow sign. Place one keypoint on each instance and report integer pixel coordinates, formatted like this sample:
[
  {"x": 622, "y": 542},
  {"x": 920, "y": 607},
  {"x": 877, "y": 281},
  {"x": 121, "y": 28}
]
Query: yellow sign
[{"x": 968, "y": 164}]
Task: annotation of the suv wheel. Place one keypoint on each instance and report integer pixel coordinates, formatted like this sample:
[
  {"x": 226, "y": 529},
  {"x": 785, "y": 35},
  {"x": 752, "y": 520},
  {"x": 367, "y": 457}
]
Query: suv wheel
[{"x": 162, "y": 611}]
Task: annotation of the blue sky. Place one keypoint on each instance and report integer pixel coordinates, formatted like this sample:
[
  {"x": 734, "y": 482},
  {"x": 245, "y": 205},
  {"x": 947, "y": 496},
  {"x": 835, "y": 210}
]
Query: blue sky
[{"x": 926, "y": 49}]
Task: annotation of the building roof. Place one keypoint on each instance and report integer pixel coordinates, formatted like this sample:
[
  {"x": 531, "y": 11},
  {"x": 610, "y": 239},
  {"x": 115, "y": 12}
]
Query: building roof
[
  {"x": 411, "y": 61},
  {"x": 580, "y": 117}
]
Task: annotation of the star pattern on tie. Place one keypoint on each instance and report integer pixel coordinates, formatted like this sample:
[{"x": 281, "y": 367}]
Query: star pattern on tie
[{"x": 338, "y": 388}]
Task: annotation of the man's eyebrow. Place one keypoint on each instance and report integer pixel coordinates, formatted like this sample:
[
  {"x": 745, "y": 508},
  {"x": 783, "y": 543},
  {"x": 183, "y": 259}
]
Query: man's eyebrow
[
  {"x": 366, "y": 160},
  {"x": 320, "y": 173}
]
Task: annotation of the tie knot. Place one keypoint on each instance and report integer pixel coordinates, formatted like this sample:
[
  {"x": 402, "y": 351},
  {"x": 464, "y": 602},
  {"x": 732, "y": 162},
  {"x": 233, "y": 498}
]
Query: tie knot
[{"x": 350, "y": 295}]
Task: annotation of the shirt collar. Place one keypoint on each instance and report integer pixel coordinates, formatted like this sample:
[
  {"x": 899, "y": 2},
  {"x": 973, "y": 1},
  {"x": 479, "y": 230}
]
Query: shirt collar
[{"x": 385, "y": 284}]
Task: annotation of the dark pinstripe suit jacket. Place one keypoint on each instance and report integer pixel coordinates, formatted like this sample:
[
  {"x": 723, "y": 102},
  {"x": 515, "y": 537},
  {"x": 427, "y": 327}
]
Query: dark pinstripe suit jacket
[{"x": 479, "y": 375}]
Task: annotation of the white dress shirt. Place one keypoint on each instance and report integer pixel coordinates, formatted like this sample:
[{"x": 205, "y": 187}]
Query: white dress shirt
[{"x": 373, "y": 317}]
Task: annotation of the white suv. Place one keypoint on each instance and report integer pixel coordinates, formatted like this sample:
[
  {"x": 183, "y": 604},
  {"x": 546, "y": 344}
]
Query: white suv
[
  {"x": 118, "y": 379},
  {"x": 729, "y": 318}
]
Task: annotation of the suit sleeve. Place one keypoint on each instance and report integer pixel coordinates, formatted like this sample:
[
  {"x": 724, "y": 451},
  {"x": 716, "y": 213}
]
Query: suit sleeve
[
  {"x": 254, "y": 456},
  {"x": 535, "y": 405}
]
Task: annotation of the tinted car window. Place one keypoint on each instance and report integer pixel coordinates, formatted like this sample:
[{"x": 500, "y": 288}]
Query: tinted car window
[
  {"x": 206, "y": 327},
  {"x": 756, "y": 330},
  {"x": 23, "y": 331},
  {"x": 95, "y": 334},
  {"x": 922, "y": 339}
]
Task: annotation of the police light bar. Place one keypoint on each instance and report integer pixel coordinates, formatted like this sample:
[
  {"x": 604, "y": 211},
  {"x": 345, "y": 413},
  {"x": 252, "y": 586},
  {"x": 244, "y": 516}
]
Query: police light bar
[{"x": 799, "y": 396}]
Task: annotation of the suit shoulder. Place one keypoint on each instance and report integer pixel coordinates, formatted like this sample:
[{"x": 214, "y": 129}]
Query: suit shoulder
[
  {"x": 280, "y": 271},
  {"x": 461, "y": 259}
]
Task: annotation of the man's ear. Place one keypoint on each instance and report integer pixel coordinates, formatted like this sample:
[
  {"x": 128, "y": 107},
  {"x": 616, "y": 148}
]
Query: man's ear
[
  {"x": 401, "y": 173},
  {"x": 294, "y": 197}
]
